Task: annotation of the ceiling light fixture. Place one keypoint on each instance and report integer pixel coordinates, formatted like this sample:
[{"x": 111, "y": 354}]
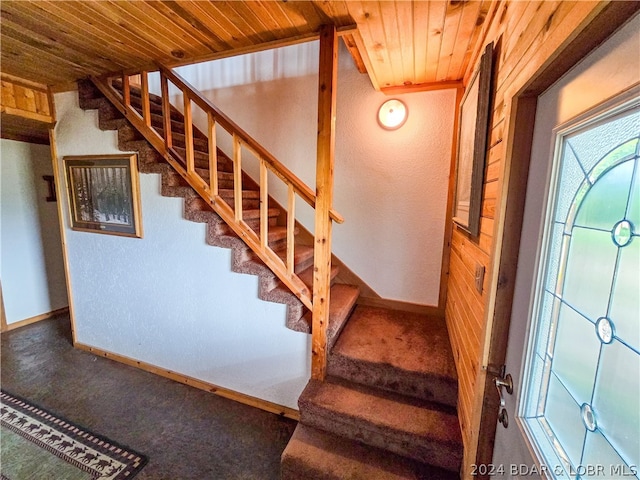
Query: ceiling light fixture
[{"x": 392, "y": 114}]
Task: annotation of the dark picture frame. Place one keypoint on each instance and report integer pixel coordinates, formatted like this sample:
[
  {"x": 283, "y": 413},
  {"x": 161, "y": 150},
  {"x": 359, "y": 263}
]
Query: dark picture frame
[
  {"x": 472, "y": 146},
  {"x": 104, "y": 194}
]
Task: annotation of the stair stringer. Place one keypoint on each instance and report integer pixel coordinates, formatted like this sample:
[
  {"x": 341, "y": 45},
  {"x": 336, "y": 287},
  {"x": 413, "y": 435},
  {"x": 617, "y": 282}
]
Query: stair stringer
[{"x": 150, "y": 161}]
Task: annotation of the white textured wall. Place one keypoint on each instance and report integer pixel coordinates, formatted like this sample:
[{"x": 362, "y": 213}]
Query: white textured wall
[
  {"x": 31, "y": 267},
  {"x": 169, "y": 299},
  {"x": 391, "y": 187}
]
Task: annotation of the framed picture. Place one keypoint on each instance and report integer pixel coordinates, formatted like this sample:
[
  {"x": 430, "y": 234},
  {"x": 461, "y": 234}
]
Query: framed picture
[
  {"x": 472, "y": 145},
  {"x": 104, "y": 194}
]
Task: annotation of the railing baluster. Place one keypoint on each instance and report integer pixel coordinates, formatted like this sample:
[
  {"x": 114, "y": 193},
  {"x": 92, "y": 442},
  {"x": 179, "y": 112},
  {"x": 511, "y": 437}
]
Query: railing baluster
[
  {"x": 259, "y": 243},
  {"x": 166, "y": 111},
  {"x": 237, "y": 176},
  {"x": 146, "y": 106},
  {"x": 126, "y": 91},
  {"x": 188, "y": 133},
  {"x": 213, "y": 156},
  {"x": 291, "y": 228},
  {"x": 264, "y": 204}
]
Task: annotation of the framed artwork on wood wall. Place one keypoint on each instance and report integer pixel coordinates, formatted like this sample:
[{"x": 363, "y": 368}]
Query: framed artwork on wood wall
[
  {"x": 475, "y": 110},
  {"x": 104, "y": 194}
]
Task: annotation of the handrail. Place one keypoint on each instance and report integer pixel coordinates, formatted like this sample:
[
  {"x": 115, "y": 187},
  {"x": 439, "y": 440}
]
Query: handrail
[
  {"x": 277, "y": 167},
  {"x": 184, "y": 164}
]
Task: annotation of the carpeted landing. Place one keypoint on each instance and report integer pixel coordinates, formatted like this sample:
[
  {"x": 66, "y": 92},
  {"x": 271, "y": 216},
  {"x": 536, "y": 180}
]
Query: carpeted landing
[{"x": 387, "y": 408}]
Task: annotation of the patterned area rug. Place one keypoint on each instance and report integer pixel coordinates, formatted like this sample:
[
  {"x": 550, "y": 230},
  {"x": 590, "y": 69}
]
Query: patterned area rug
[{"x": 35, "y": 444}]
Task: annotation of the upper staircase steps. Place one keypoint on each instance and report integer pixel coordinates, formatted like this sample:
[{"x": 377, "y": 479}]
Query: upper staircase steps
[{"x": 244, "y": 260}]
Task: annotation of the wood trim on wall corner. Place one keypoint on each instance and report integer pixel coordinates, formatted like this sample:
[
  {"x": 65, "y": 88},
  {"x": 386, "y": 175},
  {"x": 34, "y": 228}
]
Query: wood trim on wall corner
[
  {"x": 193, "y": 382},
  {"x": 3, "y": 316},
  {"x": 448, "y": 229},
  {"x": 421, "y": 87},
  {"x": 30, "y": 320},
  {"x": 60, "y": 191}
]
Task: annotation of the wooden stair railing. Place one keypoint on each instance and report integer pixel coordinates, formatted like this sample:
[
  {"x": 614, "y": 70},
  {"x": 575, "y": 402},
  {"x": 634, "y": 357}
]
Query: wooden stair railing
[{"x": 119, "y": 91}]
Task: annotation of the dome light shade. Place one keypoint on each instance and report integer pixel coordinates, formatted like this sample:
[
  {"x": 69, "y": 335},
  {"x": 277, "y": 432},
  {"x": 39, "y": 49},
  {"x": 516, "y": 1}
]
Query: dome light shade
[{"x": 392, "y": 114}]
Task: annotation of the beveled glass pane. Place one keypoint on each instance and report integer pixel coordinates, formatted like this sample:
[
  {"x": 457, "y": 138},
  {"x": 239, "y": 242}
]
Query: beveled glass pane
[
  {"x": 571, "y": 177},
  {"x": 589, "y": 275},
  {"x": 575, "y": 357},
  {"x": 633, "y": 213},
  {"x": 588, "y": 417},
  {"x": 545, "y": 318},
  {"x": 605, "y": 461},
  {"x": 617, "y": 155},
  {"x": 606, "y": 201},
  {"x": 617, "y": 400},
  {"x": 625, "y": 307},
  {"x": 605, "y": 330},
  {"x": 536, "y": 378},
  {"x": 622, "y": 233},
  {"x": 593, "y": 144},
  {"x": 563, "y": 415},
  {"x": 553, "y": 256}
]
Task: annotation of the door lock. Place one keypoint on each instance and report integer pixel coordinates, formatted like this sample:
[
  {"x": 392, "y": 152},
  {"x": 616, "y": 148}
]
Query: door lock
[{"x": 503, "y": 381}]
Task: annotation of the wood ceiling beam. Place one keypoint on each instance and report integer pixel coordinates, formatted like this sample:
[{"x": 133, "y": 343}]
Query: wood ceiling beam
[
  {"x": 421, "y": 87},
  {"x": 284, "y": 42}
]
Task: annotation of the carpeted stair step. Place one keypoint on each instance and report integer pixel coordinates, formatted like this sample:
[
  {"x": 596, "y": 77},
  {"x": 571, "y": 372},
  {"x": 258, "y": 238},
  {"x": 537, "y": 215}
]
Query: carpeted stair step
[
  {"x": 403, "y": 425},
  {"x": 249, "y": 197},
  {"x": 225, "y": 179},
  {"x": 306, "y": 275},
  {"x": 155, "y": 101},
  {"x": 276, "y": 235},
  {"x": 200, "y": 145},
  {"x": 302, "y": 256},
  {"x": 272, "y": 289},
  {"x": 313, "y": 454},
  {"x": 402, "y": 352},
  {"x": 201, "y": 160},
  {"x": 197, "y": 205},
  {"x": 89, "y": 97},
  {"x": 343, "y": 300}
]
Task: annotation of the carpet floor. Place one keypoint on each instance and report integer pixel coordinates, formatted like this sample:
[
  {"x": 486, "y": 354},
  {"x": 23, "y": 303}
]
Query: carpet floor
[{"x": 186, "y": 433}]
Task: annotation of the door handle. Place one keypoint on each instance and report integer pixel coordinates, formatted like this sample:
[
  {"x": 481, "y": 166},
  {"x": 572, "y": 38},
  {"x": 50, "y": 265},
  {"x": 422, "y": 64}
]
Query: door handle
[
  {"x": 503, "y": 382},
  {"x": 506, "y": 383}
]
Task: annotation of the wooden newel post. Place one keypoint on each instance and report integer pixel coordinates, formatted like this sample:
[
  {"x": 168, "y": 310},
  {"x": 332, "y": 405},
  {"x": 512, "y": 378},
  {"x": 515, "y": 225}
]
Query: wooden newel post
[{"x": 327, "y": 86}]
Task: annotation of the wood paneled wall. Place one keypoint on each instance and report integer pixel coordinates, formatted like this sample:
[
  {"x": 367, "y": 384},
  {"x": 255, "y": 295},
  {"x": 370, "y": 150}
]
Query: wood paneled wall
[
  {"x": 529, "y": 36},
  {"x": 27, "y": 110},
  {"x": 26, "y": 99}
]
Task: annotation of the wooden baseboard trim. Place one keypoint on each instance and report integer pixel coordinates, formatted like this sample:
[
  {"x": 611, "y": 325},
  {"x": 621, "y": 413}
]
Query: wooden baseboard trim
[
  {"x": 208, "y": 387},
  {"x": 402, "y": 306},
  {"x": 37, "y": 318}
]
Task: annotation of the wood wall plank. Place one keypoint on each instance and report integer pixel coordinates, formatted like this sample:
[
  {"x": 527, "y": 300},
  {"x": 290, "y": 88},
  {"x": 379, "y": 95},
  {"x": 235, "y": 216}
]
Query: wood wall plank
[
  {"x": 452, "y": 19},
  {"x": 437, "y": 13},
  {"x": 465, "y": 34},
  {"x": 421, "y": 13}
]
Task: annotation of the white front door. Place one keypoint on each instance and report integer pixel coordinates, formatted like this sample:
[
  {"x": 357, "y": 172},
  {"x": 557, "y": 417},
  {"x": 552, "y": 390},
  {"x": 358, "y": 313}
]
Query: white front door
[{"x": 574, "y": 341}]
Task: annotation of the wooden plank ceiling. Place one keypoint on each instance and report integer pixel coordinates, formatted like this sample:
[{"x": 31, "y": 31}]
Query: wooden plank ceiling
[{"x": 402, "y": 43}]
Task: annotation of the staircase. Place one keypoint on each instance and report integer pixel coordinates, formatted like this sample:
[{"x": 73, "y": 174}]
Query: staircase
[
  {"x": 387, "y": 408},
  {"x": 244, "y": 260}
]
